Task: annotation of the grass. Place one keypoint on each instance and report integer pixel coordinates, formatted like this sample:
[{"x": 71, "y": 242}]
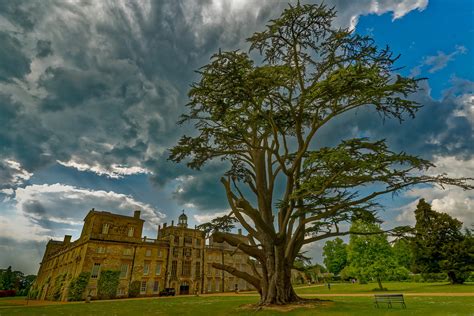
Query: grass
[
  {"x": 231, "y": 305},
  {"x": 403, "y": 287}
]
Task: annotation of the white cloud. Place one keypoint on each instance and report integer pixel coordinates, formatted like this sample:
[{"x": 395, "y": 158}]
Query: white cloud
[
  {"x": 454, "y": 201},
  {"x": 438, "y": 61},
  {"x": 12, "y": 174},
  {"x": 47, "y": 211},
  {"x": 204, "y": 218},
  {"x": 114, "y": 171}
]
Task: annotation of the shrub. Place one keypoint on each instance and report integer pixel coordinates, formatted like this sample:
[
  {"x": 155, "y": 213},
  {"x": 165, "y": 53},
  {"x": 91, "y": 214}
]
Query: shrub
[
  {"x": 78, "y": 286},
  {"x": 108, "y": 284},
  {"x": 416, "y": 278},
  {"x": 134, "y": 289},
  {"x": 434, "y": 277},
  {"x": 7, "y": 293}
]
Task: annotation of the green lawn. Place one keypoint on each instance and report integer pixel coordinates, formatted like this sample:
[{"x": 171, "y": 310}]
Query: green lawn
[
  {"x": 228, "y": 305},
  {"x": 231, "y": 306},
  {"x": 401, "y": 287},
  {"x": 215, "y": 305}
]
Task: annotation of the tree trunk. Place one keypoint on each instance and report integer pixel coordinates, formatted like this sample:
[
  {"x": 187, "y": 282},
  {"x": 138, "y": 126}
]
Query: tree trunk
[
  {"x": 453, "y": 279},
  {"x": 379, "y": 281},
  {"x": 276, "y": 286}
]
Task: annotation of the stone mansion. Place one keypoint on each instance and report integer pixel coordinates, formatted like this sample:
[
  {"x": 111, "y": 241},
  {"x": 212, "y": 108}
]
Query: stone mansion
[{"x": 178, "y": 258}]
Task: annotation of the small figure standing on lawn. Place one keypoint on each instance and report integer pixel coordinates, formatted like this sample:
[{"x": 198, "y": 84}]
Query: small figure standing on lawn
[{"x": 329, "y": 286}]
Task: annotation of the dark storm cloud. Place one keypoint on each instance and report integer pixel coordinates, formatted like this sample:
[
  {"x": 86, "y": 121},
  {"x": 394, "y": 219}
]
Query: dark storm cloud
[
  {"x": 437, "y": 129},
  {"x": 103, "y": 83},
  {"x": 13, "y": 63},
  {"x": 43, "y": 49}
]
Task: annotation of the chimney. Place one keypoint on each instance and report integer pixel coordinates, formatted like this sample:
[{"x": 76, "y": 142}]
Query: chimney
[
  {"x": 172, "y": 223},
  {"x": 136, "y": 214},
  {"x": 67, "y": 239},
  {"x": 164, "y": 225},
  {"x": 158, "y": 235},
  {"x": 240, "y": 231}
]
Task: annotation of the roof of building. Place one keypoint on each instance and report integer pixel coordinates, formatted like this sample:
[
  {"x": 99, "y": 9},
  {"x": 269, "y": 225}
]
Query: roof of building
[{"x": 93, "y": 211}]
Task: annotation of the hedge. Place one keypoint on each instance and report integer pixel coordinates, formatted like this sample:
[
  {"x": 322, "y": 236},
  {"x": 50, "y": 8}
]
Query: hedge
[{"x": 7, "y": 293}]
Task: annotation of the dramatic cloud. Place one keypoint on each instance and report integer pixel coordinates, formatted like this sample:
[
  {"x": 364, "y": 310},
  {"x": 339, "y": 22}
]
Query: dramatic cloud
[{"x": 100, "y": 84}]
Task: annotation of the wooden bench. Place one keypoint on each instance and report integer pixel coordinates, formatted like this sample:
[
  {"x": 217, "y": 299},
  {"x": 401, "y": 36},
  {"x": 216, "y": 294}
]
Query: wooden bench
[{"x": 389, "y": 299}]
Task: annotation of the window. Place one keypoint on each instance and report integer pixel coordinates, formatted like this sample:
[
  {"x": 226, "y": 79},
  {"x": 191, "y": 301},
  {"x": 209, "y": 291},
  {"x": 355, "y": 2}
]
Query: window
[
  {"x": 209, "y": 286},
  {"x": 143, "y": 287},
  {"x": 217, "y": 285},
  {"x": 175, "y": 252},
  {"x": 105, "y": 228},
  {"x": 217, "y": 271},
  {"x": 127, "y": 252},
  {"x": 198, "y": 253},
  {"x": 186, "y": 268},
  {"x": 160, "y": 253},
  {"x": 198, "y": 242},
  {"x": 158, "y": 268},
  {"x": 146, "y": 268},
  {"x": 95, "y": 270},
  {"x": 124, "y": 270},
  {"x": 187, "y": 252},
  {"x": 174, "y": 268},
  {"x": 188, "y": 240},
  {"x": 101, "y": 250},
  {"x": 156, "y": 286},
  {"x": 197, "y": 271},
  {"x": 131, "y": 230},
  {"x": 148, "y": 252},
  {"x": 176, "y": 240},
  {"x": 121, "y": 291}
]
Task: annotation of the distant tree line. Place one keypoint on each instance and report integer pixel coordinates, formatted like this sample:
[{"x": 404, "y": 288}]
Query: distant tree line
[
  {"x": 15, "y": 282},
  {"x": 436, "y": 248}
]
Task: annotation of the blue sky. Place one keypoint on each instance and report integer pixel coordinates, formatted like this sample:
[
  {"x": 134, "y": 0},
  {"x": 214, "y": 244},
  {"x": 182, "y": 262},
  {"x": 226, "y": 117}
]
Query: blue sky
[{"x": 89, "y": 97}]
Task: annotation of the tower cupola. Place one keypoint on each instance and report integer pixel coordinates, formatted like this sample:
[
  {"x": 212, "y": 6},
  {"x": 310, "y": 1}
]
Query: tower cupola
[{"x": 183, "y": 220}]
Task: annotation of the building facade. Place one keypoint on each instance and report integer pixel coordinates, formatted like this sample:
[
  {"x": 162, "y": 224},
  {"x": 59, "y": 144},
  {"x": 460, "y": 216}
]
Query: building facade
[{"x": 178, "y": 258}]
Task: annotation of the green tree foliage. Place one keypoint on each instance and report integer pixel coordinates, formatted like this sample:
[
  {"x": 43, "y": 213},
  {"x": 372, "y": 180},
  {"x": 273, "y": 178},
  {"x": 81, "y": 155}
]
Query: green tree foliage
[
  {"x": 335, "y": 255},
  {"x": 219, "y": 224},
  {"x": 264, "y": 117},
  {"x": 370, "y": 254},
  {"x": 7, "y": 280},
  {"x": 15, "y": 280},
  {"x": 108, "y": 284},
  {"x": 440, "y": 246},
  {"x": 402, "y": 251},
  {"x": 78, "y": 286}
]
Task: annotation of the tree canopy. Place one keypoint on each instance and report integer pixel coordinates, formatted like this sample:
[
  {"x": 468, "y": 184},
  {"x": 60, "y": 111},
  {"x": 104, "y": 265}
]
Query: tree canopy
[
  {"x": 263, "y": 118},
  {"x": 335, "y": 255},
  {"x": 370, "y": 255},
  {"x": 440, "y": 246}
]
